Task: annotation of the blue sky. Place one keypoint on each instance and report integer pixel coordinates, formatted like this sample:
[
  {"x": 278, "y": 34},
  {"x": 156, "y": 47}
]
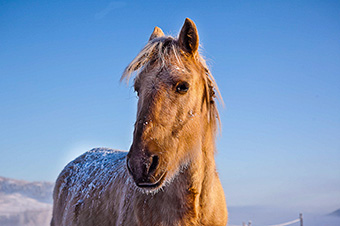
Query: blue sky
[{"x": 276, "y": 64}]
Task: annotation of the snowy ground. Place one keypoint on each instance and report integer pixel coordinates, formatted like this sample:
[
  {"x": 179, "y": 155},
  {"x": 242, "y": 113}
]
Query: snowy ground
[{"x": 266, "y": 216}]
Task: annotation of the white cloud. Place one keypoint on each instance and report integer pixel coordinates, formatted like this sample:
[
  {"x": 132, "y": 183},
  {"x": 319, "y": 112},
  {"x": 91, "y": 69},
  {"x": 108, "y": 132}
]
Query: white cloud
[{"x": 111, "y": 6}]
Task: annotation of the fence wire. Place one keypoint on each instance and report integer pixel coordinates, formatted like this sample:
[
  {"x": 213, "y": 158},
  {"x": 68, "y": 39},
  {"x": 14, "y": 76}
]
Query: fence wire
[
  {"x": 283, "y": 224},
  {"x": 287, "y": 223}
]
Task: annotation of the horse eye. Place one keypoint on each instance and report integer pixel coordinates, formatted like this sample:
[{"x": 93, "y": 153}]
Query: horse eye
[{"x": 182, "y": 87}]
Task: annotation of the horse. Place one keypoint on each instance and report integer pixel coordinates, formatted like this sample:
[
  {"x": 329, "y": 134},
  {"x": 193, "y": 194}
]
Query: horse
[{"x": 168, "y": 177}]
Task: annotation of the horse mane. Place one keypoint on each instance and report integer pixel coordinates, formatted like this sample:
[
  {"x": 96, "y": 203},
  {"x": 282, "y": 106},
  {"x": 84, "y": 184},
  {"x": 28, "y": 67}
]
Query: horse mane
[{"x": 166, "y": 50}]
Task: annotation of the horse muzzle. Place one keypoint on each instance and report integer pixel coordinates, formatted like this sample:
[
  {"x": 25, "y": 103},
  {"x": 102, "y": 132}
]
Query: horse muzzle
[{"x": 145, "y": 171}]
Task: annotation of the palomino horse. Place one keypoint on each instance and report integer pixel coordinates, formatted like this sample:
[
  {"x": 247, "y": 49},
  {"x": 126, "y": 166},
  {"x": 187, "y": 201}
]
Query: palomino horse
[{"x": 169, "y": 175}]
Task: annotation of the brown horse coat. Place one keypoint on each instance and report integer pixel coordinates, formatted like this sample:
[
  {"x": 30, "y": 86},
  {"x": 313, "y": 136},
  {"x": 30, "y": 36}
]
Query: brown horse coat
[{"x": 169, "y": 175}]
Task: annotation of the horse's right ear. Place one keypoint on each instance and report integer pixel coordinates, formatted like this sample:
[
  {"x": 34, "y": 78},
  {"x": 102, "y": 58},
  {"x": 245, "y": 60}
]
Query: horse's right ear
[{"x": 157, "y": 32}]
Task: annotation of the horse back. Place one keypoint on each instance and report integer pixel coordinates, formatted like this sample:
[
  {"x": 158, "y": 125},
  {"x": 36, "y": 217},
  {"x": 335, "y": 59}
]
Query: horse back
[{"x": 87, "y": 190}]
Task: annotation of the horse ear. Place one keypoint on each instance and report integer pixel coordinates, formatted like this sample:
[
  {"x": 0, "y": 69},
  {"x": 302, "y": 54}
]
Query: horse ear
[
  {"x": 188, "y": 37},
  {"x": 157, "y": 32}
]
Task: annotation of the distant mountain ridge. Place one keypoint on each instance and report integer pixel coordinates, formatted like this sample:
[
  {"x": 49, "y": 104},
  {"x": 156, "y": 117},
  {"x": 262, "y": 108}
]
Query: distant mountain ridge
[
  {"x": 336, "y": 213},
  {"x": 25, "y": 203},
  {"x": 41, "y": 191}
]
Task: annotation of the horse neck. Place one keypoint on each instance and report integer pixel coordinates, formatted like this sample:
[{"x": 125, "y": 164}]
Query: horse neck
[
  {"x": 205, "y": 164},
  {"x": 201, "y": 172}
]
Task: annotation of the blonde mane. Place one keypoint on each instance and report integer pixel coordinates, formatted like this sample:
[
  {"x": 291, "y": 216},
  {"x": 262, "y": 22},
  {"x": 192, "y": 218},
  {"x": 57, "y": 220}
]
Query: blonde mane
[{"x": 167, "y": 51}]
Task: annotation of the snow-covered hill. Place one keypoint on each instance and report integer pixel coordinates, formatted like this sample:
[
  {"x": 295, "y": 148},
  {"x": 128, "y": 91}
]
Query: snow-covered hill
[{"x": 25, "y": 203}]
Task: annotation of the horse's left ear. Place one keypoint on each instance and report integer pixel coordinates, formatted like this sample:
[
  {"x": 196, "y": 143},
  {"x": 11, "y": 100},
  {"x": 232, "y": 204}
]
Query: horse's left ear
[
  {"x": 157, "y": 32},
  {"x": 188, "y": 37}
]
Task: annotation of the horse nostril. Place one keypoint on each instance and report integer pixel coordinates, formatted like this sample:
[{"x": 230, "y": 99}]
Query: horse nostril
[
  {"x": 128, "y": 165},
  {"x": 154, "y": 164}
]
